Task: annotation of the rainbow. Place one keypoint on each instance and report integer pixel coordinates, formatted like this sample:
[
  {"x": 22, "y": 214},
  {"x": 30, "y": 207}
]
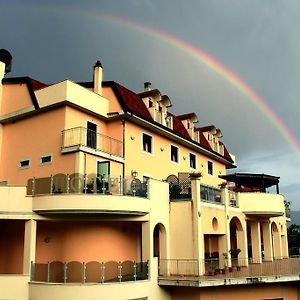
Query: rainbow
[
  {"x": 220, "y": 69},
  {"x": 195, "y": 53}
]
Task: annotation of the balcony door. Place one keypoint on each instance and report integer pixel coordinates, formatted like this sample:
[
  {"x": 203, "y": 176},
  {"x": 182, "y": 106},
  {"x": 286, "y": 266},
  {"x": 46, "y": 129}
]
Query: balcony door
[
  {"x": 91, "y": 135},
  {"x": 103, "y": 171}
]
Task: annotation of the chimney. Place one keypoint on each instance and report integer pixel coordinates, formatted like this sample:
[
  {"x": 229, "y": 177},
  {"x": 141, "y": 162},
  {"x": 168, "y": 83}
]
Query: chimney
[
  {"x": 98, "y": 77},
  {"x": 5, "y": 62},
  {"x": 147, "y": 86}
]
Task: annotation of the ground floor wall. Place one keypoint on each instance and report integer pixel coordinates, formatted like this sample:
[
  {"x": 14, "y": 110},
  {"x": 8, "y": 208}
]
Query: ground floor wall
[{"x": 253, "y": 292}]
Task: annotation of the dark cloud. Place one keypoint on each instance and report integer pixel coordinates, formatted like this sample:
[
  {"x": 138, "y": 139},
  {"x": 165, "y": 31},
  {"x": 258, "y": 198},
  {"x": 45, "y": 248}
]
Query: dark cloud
[{"x": 258, "y": 40}]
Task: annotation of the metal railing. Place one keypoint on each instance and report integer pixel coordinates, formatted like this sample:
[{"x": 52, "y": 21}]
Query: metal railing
[
  {"x": 80, "y": 136},
  {"x": 86, "y": 184},
  {"x": 234, "y": 268},
  {"x": 90, "y": 272}
]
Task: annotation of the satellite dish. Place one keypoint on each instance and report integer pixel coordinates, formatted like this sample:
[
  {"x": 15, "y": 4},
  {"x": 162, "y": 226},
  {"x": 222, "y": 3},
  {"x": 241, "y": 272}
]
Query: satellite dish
[{"x": 6, "y": 58}]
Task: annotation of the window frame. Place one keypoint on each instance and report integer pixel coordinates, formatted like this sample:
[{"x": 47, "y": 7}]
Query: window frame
[
  {"x": 195, "y": 160},
  {"x": 151, "y": 152},
  {"x": 210, "y": 168},
  {"x": 22, "y": 161},
  {"x": 177, "y": 154},
  {"x": 47, "y": 162}
]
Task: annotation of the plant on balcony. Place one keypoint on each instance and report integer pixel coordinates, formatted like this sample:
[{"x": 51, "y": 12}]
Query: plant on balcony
[{"x": 234, "y": 253}]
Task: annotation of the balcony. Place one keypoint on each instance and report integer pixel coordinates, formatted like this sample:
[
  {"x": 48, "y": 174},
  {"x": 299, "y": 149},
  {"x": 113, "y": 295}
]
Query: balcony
[
  {"x": 185, "y": 272},
  {"x": 90, "y": 272},
  {"x": 80, "y": 138},
  {"x": 75, "y": 193},
  {"x": 255, "y": 194}
]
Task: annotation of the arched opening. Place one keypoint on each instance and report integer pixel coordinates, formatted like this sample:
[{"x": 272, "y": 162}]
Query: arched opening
[
  {"x": 276, "y": 241},
  {"x": 159, "y": 241},
  {"x": 237, "y": 241}
]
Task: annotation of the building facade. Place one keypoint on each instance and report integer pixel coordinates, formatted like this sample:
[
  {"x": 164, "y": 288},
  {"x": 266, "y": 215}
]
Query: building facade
[{"x": 105, "y": 194}]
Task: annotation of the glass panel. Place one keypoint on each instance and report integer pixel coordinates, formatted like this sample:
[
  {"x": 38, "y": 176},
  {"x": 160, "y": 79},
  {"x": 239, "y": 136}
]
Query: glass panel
[
  {"x": 111, "y": 271},
  {"x": 127, "y": 270},
  {"x": 74, "y": 271},
  {"x": 57, "y": 272},
  {"x": 93, "y": 272}
]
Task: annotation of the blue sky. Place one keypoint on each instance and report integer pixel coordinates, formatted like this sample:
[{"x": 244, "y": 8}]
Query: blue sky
[{"x": 257, "y": 40}]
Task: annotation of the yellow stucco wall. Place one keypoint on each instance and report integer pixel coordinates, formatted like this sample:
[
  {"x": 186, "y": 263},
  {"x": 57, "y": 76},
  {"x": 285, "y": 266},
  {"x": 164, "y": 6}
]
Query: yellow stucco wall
[{"x": 158, "y": 164}]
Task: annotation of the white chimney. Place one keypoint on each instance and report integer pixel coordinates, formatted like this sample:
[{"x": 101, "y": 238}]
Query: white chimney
[
  {"x": 98, "y": 77},
  {"x": 147, "y": 86}
]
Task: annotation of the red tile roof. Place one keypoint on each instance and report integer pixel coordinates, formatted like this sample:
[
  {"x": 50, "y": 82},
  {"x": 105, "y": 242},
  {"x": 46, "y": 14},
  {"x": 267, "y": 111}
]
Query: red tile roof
[
  {"x": 130, "y": 101},
  {"x": 203, "y": 141},
  {"x": 36, "y": 85},
  {"x": 178, "y": 127}
]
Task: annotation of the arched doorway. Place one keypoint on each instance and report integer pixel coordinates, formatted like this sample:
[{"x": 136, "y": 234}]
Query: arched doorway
[{"x": 159, "y": 241}]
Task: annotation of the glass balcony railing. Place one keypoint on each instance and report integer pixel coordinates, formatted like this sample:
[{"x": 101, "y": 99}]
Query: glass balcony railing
[
  {"x": 86, "y": 184},
  {"x": 80, "y": 136},
  {"x": 90, "y": 272}
]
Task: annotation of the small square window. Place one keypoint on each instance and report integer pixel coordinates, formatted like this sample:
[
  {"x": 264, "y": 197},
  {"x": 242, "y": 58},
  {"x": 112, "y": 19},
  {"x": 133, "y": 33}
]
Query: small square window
[
  {"x": 210, "y": 167},
  {"x": 150, "y": 103},
  {"x": 46, "y": 160},
  {"x": 174, "y": 153},
  {"x": 24, "y": 163},
  {"x": 147, "y": 143},
  {"x": 192, "y": 160}
]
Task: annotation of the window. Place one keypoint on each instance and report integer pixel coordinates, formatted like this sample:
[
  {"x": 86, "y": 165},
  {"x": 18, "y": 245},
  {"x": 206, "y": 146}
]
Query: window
[
  {"x": 210, "y": 194},
  {"x": 174, "y": 153},
  {"x": 24, "y": 163},
  {"x": 192, "y": 160},
  {"x": 47, "y": 159},
  {"x": 147, "y": 143},
  {"x": 150, "y": 103},
  {"x": 210, "y": 167}
]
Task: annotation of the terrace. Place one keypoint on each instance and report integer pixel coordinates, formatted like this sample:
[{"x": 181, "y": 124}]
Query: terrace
[{"x": 185, "y": 272}]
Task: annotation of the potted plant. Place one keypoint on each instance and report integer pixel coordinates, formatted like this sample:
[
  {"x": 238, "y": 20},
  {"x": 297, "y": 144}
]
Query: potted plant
[
  {"x": 225, "y": 262},
  {"x": 234, "y": 253}
]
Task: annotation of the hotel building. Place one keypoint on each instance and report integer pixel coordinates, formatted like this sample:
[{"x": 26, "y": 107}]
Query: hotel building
[{"x": 105, "y": 194}]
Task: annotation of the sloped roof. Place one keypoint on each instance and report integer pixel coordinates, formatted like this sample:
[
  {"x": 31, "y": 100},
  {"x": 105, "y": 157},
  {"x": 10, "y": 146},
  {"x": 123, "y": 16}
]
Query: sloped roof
[
  {"x": 32, "y": 86},
  {"x": 132, "y": 102}
]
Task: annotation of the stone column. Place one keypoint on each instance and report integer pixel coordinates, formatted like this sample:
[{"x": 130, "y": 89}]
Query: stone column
[
  {"x": 267, "y": 240},
  {"x": 29, "y": 245},
  {"x": 197, "y": 225},
  {"x": 256, "y": 241}
]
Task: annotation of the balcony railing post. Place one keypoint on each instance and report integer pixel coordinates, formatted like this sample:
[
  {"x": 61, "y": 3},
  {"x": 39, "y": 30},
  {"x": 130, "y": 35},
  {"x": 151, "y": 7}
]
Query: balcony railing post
[
  {"x": 134, "y": 271},
  {"x": 102, "y": 272},
  {"x": 33, "y": 186},
  {"x": 65, "y": 272},
  {"x": 83, "y": 272},
  {"x": 48, "y": 271},
  {"x": 51, "y": 184},
  {"x": 120, "y": 271},
  {"x": 84, "y": 183},
  {"x": 68, "y": 183}
]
